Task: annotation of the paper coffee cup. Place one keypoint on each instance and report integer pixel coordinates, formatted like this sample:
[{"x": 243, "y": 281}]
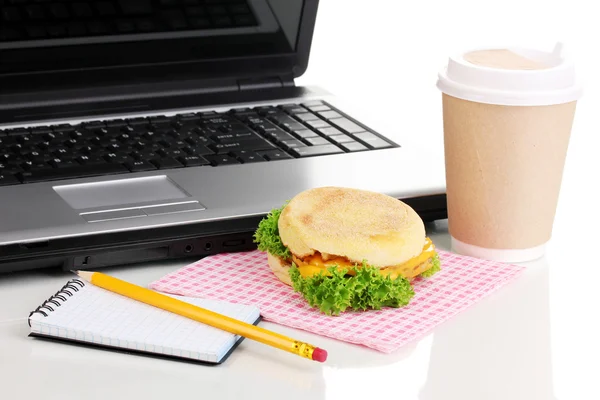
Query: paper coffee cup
[{"x": 507, "y": 116}]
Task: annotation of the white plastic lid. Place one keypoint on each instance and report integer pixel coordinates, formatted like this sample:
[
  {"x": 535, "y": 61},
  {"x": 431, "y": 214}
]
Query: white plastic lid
[{"x": 541, "y": 78}]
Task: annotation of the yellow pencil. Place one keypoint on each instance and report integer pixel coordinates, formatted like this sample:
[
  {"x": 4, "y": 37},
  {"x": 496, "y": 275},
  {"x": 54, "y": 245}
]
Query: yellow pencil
[{"x": 203, "y": 315}]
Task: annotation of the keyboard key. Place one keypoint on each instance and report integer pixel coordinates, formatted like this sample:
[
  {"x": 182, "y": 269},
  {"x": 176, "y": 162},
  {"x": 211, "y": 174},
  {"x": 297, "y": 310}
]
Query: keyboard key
[
  {"x": 36, "y": 165},
  {"x": 98, "y": 27},
  {"x": 105, "y": 8},
  {"x": 173, "y": 153},
  {"x": 270, "y": 130},
  {"x": 221, "y": 159},
  {"x": 165, "y": 163},
  {"x": 241, "y": 111},
  {"x": 222, "y": 148},
  {"x": 63, "y": 128},
  {"x": 286, "y": 122},
  {"x": 290, "y": 144},
  {"x": 306, "y": 117},
  {"x": 305, "y": 133},
  {"x": 318, "y": 108},
  {"x": 75, "y": 29},
  {"x": 94, "y": 125},
  {"x": 217, "y": 10},
  {"x": 353, "y": 146},
  {"x": 136, "y": 7},
  {"x": 316, "y": 150},
  {"x": 137, "y": 166},
  {"x": 73, "y": 172},
  {"x": 274, "y": 155},
  {"x": 193, "y": 161},
  {"x": 239, "y": 9},
  {"x": 67, "y": 163},
  {"x": 329, "y": 114},
  {"x": 317, "y": 141},
  {"x": 116, "y": 123},
  {"x": 223, "y": 21},
  {"x": 16, "y": 132},
  {"x": 313, "y": 103},
  {"x": 59, "y": 10},
  {"x": 217, "y": 119},
  {"x": 6, "y": 179},
  {"x": 143, "y": 155},
  {"x": 88, "y": 159},
  {"x": 246, "y": 157},
  {"x": 195, "y": 11},
  {"x": 40, "y": 130},
  {"x": 292, "y": 127},
  {"x": 10, "y": 14},
  {"x": 346, "y": 125},
  {"x": 341, "y": 138},
  {"x": 82, "y": 10},
  {"x": 160, "y": 120},
  {"x": 294, "y": 109},
  {"x": 330, "y": 131},
  {"x": 125, "y": 26},
  {"x": 188, "y": 117},
  {"x": 137, "y": 121},
  {"x": 198, "y": 149},
  {"x": 318, "y": 124},
  {"x": 244, "y": 20},
  {"x": 372, "y": 141},
  {"x": 117, "y": 158},
  {"x": 34, "y": 11},
  {"x": 234, "y": 137},
  {"x": 36, "y": 32}
]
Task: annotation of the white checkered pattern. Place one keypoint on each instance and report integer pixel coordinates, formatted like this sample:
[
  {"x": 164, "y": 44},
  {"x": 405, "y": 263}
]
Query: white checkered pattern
[{"x": 246, "y": 278}]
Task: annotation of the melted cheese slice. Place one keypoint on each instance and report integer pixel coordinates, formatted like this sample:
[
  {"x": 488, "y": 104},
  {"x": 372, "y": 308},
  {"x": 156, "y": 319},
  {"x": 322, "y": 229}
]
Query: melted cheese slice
[{"x": 314, "y": 264}]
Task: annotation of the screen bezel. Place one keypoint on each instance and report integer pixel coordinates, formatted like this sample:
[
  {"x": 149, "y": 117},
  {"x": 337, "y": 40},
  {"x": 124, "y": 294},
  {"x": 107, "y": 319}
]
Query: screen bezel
[{"x": 292, "y": 65}]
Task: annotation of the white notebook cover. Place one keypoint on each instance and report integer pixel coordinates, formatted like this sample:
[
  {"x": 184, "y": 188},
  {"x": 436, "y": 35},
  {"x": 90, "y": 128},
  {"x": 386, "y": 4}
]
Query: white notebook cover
[{"x": 84, "y": 313}]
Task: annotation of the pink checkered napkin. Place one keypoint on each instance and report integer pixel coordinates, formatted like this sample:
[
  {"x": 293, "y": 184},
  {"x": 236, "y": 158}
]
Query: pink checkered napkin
[{"x": 246, "y": 278}]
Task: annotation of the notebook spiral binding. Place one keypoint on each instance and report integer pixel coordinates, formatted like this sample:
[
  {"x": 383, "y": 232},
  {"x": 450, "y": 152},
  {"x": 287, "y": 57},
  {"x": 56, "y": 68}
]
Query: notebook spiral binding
[{"x": 68, "y": 290}]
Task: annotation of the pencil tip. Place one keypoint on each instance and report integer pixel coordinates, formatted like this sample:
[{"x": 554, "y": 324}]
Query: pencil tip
[
  {"x": 86, "y": 275},
  {"x": 74, "y": 272}
]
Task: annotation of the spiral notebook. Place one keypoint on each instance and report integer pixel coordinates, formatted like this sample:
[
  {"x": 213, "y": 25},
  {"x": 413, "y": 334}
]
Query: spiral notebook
[{"x": 86, "y": 314}]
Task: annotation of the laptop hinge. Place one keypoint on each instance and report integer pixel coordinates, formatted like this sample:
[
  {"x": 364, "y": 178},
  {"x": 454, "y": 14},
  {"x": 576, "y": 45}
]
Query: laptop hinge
[{"x": 265, "y": 83}]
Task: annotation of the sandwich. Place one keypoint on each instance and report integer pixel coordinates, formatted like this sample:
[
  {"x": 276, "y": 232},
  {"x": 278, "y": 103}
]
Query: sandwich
[{"x": 347, "y": 249}]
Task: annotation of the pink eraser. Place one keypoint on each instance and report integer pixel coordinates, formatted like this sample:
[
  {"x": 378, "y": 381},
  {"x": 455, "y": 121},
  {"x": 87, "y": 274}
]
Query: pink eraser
[{"x": 319, "y": 355}]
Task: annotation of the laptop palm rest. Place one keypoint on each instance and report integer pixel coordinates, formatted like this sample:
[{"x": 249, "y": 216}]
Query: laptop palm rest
[{"x": 127, "y": 198}]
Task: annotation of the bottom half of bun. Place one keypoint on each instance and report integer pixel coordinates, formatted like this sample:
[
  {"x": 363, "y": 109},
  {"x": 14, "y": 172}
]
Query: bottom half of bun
[{"x": 280, "y": 268}]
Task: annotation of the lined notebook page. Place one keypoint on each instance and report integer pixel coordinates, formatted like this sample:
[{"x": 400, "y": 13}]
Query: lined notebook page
[{"x": 96, "y": 315}]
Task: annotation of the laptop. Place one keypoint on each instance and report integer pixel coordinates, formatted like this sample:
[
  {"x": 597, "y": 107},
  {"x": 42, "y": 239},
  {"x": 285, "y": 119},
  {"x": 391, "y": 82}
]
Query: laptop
[{"x": 149, "y": 130}]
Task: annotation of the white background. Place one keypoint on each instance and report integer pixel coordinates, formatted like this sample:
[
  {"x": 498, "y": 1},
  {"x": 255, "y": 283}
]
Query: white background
[
  {"x": 385, "y": 55},
  {"x": 538, "y": 339}
]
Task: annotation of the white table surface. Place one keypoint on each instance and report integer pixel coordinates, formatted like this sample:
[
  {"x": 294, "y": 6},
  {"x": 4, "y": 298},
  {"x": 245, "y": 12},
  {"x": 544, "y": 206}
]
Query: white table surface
[{"x": 538, "y": 338}]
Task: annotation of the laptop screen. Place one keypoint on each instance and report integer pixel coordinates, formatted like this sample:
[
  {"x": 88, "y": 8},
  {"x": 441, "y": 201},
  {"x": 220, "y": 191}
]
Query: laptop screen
[{"x": 60, "y": 35}]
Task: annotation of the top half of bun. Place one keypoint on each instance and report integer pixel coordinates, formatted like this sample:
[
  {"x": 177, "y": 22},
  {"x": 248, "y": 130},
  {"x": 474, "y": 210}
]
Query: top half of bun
[{"x": 356, "y": 224}]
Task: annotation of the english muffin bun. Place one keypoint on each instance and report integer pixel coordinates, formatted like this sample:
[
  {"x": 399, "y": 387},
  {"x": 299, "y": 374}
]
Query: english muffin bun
[
  {"x": 355, "y": 224},
  {"x": 280, "y": 268}
]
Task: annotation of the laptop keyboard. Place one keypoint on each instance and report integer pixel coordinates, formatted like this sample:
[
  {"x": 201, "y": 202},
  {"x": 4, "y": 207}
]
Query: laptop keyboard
[
  {"x": 46, "y": 19},
  {"x": 209, "y": 139}
]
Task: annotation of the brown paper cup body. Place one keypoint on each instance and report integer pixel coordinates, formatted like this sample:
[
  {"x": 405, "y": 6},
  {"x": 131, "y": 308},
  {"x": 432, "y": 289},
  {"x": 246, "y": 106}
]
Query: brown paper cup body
[{"x": 504, "y": 167}]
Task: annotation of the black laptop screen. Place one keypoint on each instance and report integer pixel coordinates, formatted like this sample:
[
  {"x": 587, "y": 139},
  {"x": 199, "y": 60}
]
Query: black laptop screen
[{"x": 57, "y": 35}]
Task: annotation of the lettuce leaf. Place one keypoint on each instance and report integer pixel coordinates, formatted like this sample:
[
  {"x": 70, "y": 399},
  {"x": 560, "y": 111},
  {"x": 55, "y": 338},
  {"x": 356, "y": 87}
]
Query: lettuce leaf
[
  {"x": 267, "y": 235},
  {"x": 337, "y": 292},
  {"x": 434, "y": 269}
]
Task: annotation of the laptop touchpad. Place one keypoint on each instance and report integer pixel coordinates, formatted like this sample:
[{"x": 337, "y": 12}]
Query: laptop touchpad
[{"x": 120, "y": 192}]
